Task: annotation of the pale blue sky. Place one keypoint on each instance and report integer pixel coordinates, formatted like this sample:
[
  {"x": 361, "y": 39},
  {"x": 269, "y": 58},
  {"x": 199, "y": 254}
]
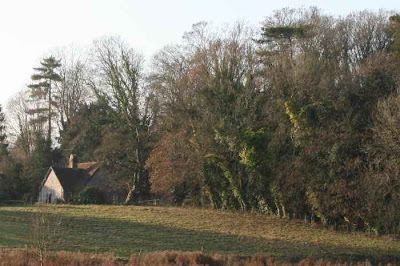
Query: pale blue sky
[{"x": 30, "y": 28}]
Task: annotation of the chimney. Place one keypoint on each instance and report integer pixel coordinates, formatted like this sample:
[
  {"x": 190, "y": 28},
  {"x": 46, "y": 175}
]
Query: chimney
[{"x": 73, "y": 162}]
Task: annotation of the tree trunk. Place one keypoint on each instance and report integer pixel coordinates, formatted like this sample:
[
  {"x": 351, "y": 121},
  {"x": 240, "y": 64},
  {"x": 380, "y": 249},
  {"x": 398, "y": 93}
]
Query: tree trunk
[
  {"x": 130, "y": 194},
  {"x": 132, "y": 189},
  {"x": 49, "y": 129},
  {"x": 136, "y": 176}
]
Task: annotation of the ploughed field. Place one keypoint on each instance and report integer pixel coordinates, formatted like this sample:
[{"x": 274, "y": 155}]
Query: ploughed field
[{"x": 130, "y": 230}]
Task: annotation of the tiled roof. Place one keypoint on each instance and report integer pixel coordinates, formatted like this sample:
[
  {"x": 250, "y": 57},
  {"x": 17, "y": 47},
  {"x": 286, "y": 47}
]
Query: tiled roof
[
  {"x": 72, "y": 180},
  {"x": 86, "y": 165}
]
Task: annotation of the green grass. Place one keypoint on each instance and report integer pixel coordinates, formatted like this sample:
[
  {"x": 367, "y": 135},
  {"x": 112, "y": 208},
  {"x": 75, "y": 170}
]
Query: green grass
[{"x": 126, "y": 230}]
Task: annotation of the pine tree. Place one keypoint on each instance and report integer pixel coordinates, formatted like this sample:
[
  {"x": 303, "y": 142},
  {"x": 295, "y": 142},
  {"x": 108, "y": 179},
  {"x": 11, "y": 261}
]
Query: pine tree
[{"x": 42, "y": 89}]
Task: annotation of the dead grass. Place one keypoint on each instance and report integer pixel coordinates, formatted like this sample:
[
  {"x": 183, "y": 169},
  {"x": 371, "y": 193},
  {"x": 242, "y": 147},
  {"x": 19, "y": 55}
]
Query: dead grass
[
  {"x": 127, "y": 230},
  {"x": 26, "y": 257}
]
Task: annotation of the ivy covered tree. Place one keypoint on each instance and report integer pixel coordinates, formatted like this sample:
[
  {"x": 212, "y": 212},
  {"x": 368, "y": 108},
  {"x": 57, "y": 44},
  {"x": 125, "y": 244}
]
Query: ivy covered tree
[{"x": 41, "y": 91}]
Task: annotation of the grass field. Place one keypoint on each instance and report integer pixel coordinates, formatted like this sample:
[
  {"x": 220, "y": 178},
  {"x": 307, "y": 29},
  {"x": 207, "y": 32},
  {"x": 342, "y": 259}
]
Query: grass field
[{"x": 126, "y": 230}]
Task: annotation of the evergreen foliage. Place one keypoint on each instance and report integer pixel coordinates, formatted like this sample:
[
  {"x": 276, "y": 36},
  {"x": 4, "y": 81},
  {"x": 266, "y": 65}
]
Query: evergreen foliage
[{"x": 41, "y": 91}]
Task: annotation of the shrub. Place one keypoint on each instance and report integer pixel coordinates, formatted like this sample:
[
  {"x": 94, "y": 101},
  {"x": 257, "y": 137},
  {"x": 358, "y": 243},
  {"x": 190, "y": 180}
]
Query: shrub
[
  {"x": 91, "y": 195},
  {"x": 4, "y": 196}
]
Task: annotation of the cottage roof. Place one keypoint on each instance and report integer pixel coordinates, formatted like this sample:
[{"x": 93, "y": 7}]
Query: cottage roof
[
  {"x": 87, "y": 165},
  {"x": 71, "y": 179}
]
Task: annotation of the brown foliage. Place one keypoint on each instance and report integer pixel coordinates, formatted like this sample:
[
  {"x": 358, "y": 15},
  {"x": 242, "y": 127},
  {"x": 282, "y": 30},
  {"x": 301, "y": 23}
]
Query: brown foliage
[
  {"x": 25, "y": 257},
  {"x": 172, "y": 163}
]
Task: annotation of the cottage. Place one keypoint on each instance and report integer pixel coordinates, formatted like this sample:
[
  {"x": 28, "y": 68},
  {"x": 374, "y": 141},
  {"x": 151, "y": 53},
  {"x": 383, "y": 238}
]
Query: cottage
[{"x": 60, "y": 184}]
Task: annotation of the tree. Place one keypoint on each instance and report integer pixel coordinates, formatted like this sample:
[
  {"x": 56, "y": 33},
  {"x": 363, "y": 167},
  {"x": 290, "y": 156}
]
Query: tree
[
  {"x": 82, "y": 134},
  {"x": 125, "y": 140},
  {"x": 176, "y": 160},
  {"x": 3, "y": 157},
  {"x": 320, "y": 102},
  {"x": 43, "y": 89},
  {"x": 394, "y": 30},
  {"x": 281, "y": 31},
  {"x": 210, "y": 108},
  {"x": 3, "y": 136},
  {"x": 72, "y": 91},
  {"x": 21, "y": 128}
]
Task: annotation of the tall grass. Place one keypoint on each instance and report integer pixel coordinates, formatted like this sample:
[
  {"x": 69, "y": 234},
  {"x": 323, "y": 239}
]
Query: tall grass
[{"x": 26, "y": 257}]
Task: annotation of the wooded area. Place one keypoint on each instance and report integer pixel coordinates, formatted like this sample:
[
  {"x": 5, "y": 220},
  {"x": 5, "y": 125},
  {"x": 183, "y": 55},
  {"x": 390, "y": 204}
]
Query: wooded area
[{"x": 300, "y": 118}]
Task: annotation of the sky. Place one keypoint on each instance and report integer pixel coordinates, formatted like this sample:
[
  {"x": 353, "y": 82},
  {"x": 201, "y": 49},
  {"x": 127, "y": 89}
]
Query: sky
[{"x": 30, "y": 29}]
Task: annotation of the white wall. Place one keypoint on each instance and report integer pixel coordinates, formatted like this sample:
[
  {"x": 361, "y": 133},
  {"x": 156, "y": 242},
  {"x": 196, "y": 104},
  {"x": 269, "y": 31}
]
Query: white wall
[{"x": 51, "y": 187}]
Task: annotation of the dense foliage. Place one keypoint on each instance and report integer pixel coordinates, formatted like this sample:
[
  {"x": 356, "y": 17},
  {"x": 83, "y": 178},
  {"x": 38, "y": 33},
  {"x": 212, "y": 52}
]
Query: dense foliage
[
  {"x": 91, "y": 195},
  {"x": 299, "y": 119}
]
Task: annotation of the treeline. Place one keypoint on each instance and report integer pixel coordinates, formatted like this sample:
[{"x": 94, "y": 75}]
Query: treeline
[{"x": 299, "y": 118}]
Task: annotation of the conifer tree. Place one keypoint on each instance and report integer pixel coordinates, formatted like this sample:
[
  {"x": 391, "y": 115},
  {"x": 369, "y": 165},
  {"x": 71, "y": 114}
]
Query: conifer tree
[{"x": 42, "y": 90}]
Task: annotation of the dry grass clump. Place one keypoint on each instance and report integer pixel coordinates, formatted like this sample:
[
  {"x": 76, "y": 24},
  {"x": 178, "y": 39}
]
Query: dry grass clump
[
  {"x": 200, "y": 259},
  {"x": 29, "y": 258}
]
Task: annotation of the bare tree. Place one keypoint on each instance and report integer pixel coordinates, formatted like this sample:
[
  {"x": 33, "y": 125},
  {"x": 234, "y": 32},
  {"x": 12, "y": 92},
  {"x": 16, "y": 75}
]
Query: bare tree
[
  {"x": 20, "y": 127},
  {"x": 72, "y": 90}
]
